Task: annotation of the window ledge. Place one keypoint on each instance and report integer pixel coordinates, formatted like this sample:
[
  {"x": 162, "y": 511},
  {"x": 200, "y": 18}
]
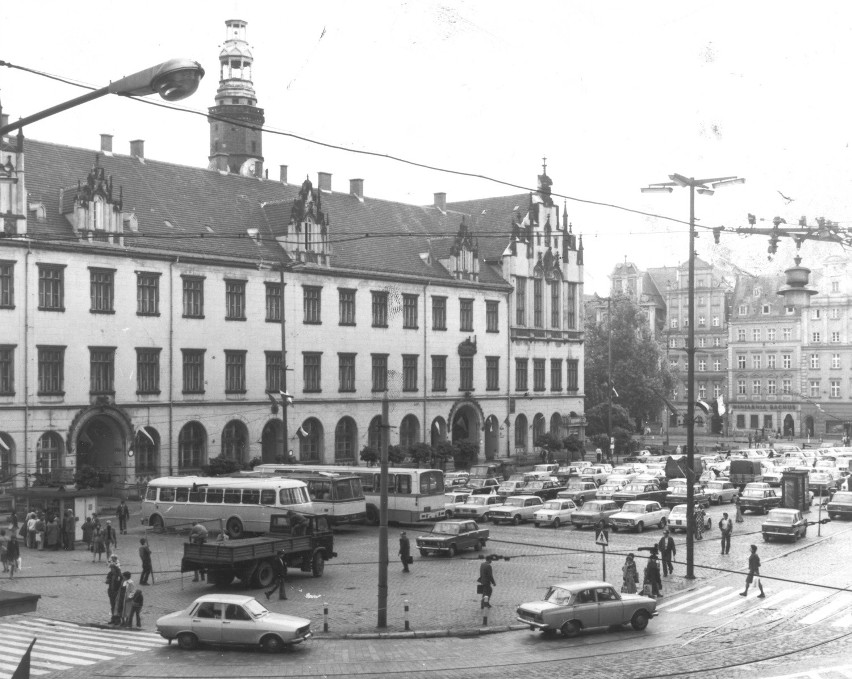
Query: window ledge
[
  {"x": 51, "y": 308},
  {"x": 106, "y": 312},
  {"x": 148, "y": 313},
  {"x": 201, "y": 317},
  {"x": 312, "y": 322},
  {"x": 235, "y": 318}
]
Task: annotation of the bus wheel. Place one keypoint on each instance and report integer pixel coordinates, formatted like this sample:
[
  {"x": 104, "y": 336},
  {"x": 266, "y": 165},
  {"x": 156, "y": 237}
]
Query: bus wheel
[
  {"x": 263, "y": 575},
  {"x": 234, "y": 528},
  {"x": 317, "y": 564},
  {"x": 157, "y": 524},
  {"x": 372, "y": 515}
]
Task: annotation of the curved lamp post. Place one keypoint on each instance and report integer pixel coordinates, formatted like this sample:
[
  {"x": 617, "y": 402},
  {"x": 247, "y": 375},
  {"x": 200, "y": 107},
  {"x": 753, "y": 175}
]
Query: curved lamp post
[{"x": 173, "y": 80}]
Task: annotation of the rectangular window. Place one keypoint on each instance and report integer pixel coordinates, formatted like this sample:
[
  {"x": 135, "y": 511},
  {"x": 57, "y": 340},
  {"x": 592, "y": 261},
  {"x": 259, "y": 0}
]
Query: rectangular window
[
  {"x": 312, "y": 302},
  {"x": 835, "y": 286},
  {"x": 193, "y": 297},
  {"x": 786, "y": 333},
  {"x": 538, "y": 303},
  {"x": 834, "y": 313},
  {"x": 755, "y": 362},
  {"x": 492, "y": 316},
  {"x": 101, "y": 290},
  {"x": 741, "y": 387},
  {"x": 815, "y": 314},
  {"x": 439, "y": 373},
  {"x": 755, "y": 387},
  {"x": 702, "y": 391},
  {"x": 835, "y": 360},
  {"x": 521, "y": 301},
  {"x": 701, "y": 322},
  {"x": 573, "y": 374},
  {"x": 312, "y": 371},
  {"x": 380, "y": 372},
  {"x": 835, "y": 336},
  {"x": 555, "y": 374},
  {"x": 716, "y": 342},
  {"x": 147, "y": 293},
  {"x": 235, "y": 300},
  {"x": 555, "y": 306},
  {"x": 346, "y": 369},
  {"x": 147, "y": 370},
  {"x": 102, "y": 370},
  {"x": 274, "y": 384},
  {"x": 521, "y": 383},
  {"x": 743, "y": 311},
  {"x": 7, "y": 370},
  {"x": 51, "y": 370},
  {"x": 755, "y": 334},
  {"x": 717, "y": 365},
  {"x": 766, "y": 309},
  {"x": 715, "y": 321},
  {"x": 193, "y": 371},
  {"x": 273, "y": 302},
  {"x": 466, "y": 373},
  {"x": 380, "y": 309},
  {"x": 571, "y": 306},
  {"x": 770, "y": 387},
  {"x": 741, "y": 421},
  {"x": 492, "y": 373},
  {"x": 538, "y": 374},
  {"x": 741, "y": 335},
  {"x": 701, "y": 342},
  {"x": 770, "y": 334},
  {"x": 741, "y": 361},
  {"x": 7, "y": 285},
  {"x": 439, "y": 313},
  {"x": 235, "y": 372},
  {"x": 717, "y": 390},
  {"x": 51, "y": 287},
  {"x": 770, "y": 361},
  {"x": 466, "y": 315},
  {"x": 786, "y": 361},
  {"x": 673, "y": 324},
  {"x": 702, "y": 365},
  {"x": 409, "y": 372},
  {"x": 814, "y": 361},
  {"x": 409, "y": 311},
  {"x": 347, "y": 306},
  {"x": 786, "y": 386},
  {"x": 834, "y": 387},
  {"x": 814, "y": 388}
]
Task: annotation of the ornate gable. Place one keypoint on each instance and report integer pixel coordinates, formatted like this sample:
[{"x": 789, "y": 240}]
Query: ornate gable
[
  {"x": 463, "y": 262},
  {"x": 94, "y": 211},
  {"x": 306, "y": 234}
]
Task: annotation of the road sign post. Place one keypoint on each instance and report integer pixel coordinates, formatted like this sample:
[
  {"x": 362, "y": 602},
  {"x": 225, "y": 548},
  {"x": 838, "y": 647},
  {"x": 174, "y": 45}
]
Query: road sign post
[{"x": 602, "y": 539}]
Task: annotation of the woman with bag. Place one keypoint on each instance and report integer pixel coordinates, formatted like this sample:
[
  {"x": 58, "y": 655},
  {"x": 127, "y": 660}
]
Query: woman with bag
[
  {"x": 13, "y": 555},
  {"x": 630, "y": 575},
  {"x": 98, "y": 546}
]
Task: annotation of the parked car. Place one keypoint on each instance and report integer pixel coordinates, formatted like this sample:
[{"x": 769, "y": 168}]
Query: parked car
[
  {"x": 554, "y": 513},
  {"x": 720, "y": 491},
  {"x": 482, "y": 483},
  {"x": 510, "y": 487},
  {"x": 593, "y": 512},
  {"x": 570, "y": 607},
  {"x": 516, "y": 509},
  {"x": 783, "y": 522},
  {"x": 232, "y": 619},
  {"x": 640, "y": 491},
  {"x": 598, "y": 473},
  {"x": 448, "y": 537},
  {"x": 454, "y": 500},
  {"x": 677, "y": 496},
  {"x": 608, "y": 490},
  {"x": 759, "y": 500},
  {"x": 478, "y": 507},
  {"x": 567, "y": 474},
  {"x": 840, "y": 506},
  {"x": 743, "y": 471},
  {"x": 578, "y": 491},
  {"x": 640, "y": 515},
  {"x": 677, "y": 518},
  {"x": 454, "y": 479},
  {"x": 822, "y": 484},
  {"x": 546, "y": 490}
]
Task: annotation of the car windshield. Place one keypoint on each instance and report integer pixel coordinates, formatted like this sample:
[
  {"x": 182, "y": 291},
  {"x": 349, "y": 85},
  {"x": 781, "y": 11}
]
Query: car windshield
[
  {"x": 780, "y": 516},
  {"x": 575, "y": 485},
  {"x": 842, "y": 497},
  {"x": 256, "y": 608},
  {"x": 553, "y": 504},
  {"x": 477, "y": 500},
  {"x": 557, "y": 595},
  {"x": 515, "y": 502},
  {"x": 596, "y": 506},
  {"x": 715, "y": 485},
  {"x": 446, "y": 528},
  {"x": 635, "y": 488},
  {"x": 753, "y": 492},
  {"x": 633, "y": 507},
  {"x": 534, "y": 485}
]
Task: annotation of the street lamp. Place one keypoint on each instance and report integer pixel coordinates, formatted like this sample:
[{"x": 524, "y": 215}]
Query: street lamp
[
  {"x": 173, "y": 80},
  {"x": 699, "y": 185}
]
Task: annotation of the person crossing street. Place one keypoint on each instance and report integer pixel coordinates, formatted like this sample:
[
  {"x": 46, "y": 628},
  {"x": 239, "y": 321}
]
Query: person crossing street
[
  {"x": 754, "y": 573},
  {"x": 667, "y": 551}
]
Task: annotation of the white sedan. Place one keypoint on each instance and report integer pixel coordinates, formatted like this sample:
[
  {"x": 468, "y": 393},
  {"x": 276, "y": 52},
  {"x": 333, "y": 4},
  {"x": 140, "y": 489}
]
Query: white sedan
[
  {"x": 554, "y": 513},
  {"x": 233, "y": 619}
]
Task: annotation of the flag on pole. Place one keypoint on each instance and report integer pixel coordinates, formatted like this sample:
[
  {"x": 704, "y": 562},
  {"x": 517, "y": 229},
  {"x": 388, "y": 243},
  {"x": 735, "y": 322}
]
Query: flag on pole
[
  {"x": 704, "y": 406},
  {"x": 302, "y": 432},
  {"x": 144, "y": 431},
  {"x": 720, "y": 405},
  {"x": 286, "y": 398},
  {"x": 23, "y": 670}
]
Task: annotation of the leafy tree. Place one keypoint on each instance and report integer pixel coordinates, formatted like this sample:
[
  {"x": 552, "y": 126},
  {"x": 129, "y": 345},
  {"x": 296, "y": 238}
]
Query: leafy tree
[
  {"x": 597, "y": 419},
  {"x": 640, "y": 374},
  {"x": 466, "y": 453},
  {"x": 445, "y": 450},
  {"x": 395, "y": 455},
  {"x": 87, "y": 477},
  {"x": 369, "y": 455},
  {"x": 422, "y": 452},
  {"x": 222, "y": 466},
  {"x": 574, "y": 448}
]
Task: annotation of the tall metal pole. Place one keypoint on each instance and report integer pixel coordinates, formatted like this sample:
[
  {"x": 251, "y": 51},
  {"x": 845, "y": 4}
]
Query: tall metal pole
[
  {"x": 383, "y": 516},
  {"x": 284, "y": 428},
  {"x": 690, "y": 393},
  {"x": 609, "y": 373}
]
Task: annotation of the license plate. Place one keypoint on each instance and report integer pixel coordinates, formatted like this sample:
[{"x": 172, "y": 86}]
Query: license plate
[{"x": 426, "y": 516}]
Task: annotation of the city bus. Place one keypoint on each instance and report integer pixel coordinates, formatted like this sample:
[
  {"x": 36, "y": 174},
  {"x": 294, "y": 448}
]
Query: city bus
[
  {"x": 238, "y": 505},
  {"x": 337, "y": 496},
  {"x": 414, "y": 495}
]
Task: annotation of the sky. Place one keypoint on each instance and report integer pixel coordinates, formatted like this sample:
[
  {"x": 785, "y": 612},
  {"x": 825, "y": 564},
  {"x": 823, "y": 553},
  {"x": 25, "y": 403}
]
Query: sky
[{"x": 616, "y": 95}]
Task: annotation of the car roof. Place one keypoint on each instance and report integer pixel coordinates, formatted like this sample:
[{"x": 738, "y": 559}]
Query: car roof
[
  {"x": 785, "y": 510},
  {"x": 224, "y": 598},
  {"x": 581, "y": 584},
  {"x": 522, "y": 497}
]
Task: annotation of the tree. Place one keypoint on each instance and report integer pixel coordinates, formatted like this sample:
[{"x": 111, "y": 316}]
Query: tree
[
  {"x": 222, "y": 466},
  {"x": 640, "y": 375},
  {"x": 395, "y": 455},
  {"x": 423, "y": 453},
  {"x": 369, "y": 455},
  {"x": 597, "y": 419},
  {"x": 573, "y": 447},
  {"x": 466, "y": 453},
  {"x": 549, "y": 443},
  {"x": 445, "y": 450}
]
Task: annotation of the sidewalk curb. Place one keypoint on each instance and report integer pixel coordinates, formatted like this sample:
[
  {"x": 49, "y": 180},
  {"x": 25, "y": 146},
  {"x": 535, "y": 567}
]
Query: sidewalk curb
[{"x": 421, "y": 634}]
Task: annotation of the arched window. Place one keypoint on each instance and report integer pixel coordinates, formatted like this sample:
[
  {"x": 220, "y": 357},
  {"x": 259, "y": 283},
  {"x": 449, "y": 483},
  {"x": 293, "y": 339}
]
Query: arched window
[
  {"x": 345, "y": 441},
  {"x": 555, "y": 424},
  {"x": 192, "y": 446},
  {"x": 538, "y": 426},
  {"x": 409, "y": 432},
  {"x": 521, "y": 427},
  {"x": 311, "y": 440},
  {"x": 235, "y": 441},
  {"x": 374, "y": 433},
  {"x": 146, "y": 451},
  {"x": 6, "y": 448},
  {"x": 438, "y": 431},
  {"x": 48, "y": 450}
]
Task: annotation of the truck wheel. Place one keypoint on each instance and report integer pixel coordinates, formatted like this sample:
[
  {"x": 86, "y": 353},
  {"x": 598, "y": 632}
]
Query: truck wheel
[
  {"x": 234, "y": 528},
  {"x": 187, "y": 641},
  {"x": 263, "y": 575},
  {"x": 156, "y": 523},
  {"x": 317, "y": 564}
]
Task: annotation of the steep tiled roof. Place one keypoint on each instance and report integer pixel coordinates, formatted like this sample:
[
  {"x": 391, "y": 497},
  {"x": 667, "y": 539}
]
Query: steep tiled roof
[
  {"x": 199, "y": 212},
  {"x": 494, "y": 227}
]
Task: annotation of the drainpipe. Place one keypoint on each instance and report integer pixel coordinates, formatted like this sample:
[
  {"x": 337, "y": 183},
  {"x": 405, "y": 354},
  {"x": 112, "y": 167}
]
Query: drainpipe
[
  {"x": 171, "y": 364},
  {"x": 27, "y": 364},
  {"x": 508, "y": 374},
  {"x": 426, "y": 423}
]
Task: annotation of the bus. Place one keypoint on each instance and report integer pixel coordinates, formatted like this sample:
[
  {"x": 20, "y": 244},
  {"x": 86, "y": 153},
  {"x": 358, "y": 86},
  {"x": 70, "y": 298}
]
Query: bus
[
  {"x": 338, "y": 497},
  {"x": 240, "y": 506},
  {"x": 414, "y": 495}
]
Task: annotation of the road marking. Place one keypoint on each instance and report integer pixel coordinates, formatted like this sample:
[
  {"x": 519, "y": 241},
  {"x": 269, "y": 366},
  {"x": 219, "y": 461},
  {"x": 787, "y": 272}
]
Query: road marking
[
  {"x": 845, "y": 670},
  {"x": 845, "y": 621},
  {"x": 679, "y": 598},
  {"x": 718, "y": 600},
  {"x": 823, "y": 612},
  {"x": 711, "y": 596},
  {"x": 806, "y": 600},
  {"x": 770, "y": 601}
]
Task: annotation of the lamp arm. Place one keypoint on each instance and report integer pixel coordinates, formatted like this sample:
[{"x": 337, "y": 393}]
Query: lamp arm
[{"x": 35, "y": 117}]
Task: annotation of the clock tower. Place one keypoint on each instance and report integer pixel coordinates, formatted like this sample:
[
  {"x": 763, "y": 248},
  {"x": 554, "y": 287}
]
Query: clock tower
[{"x": 235, "y": 121}]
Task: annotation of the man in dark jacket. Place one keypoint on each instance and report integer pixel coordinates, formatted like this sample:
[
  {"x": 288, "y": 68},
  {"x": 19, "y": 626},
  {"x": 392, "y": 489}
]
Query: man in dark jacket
[
  {"x": 69, "y": 529},
  {"x": 652, "y": 576},
  {"x": 754, "y": 572},
  {"x": 123, "y": 513},
  {"x": 404, "y": 551},
  {"x": 279, "y": 568},
  {"x": 667, "y": 551},
  {"x": 145, "y": 556},
  {"x": 486, "y": 582}
]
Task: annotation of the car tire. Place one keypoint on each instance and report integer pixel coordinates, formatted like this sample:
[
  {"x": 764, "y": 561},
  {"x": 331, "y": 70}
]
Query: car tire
[
  {"x": 556, "y": 522},
  {"x": 640, "y": 527},
  {"x": 516, "y": 519},
  {"x": 272, "y": 643},
  {"x": 449, "y": 513},
  {"x": 479, "y": 546},
  {"x": 157, "y": 524},
  {"x": 317, "y": 564},
  {"x": 452, "y": 551},
  {"x": 537, "y": 524},
  {"x": 765, "y": 537},
  {"x": 187, "y": 641},
  {"x": 570, "y": 629},
  {"x": 663, "y": 523},
  {"x": 579, "y": 502},
  {"x": 234, "y": 528},
  {"x": 639, "y": 621}
]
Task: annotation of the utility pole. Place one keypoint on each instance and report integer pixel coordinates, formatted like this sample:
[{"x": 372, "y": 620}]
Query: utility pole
[
  {"x": 284, "y": 400},
  {"x": 609, "y": 375},
  {"x": 383, "y": 516}
]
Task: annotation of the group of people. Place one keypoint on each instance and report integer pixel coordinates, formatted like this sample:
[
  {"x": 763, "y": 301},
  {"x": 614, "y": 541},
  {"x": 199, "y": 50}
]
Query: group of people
[
  {"x": 125, "y": 600},
  {"x": 10, "y": 552},
  {"x": 45, "y": 529}
]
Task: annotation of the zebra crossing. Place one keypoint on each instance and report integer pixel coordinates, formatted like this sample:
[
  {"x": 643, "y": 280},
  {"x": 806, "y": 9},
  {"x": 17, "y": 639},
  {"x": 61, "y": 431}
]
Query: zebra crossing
[
  {"x": 63, "y": 646},
  {"x": 816, "y": 606},
  {"x": 833, "y": 672}
]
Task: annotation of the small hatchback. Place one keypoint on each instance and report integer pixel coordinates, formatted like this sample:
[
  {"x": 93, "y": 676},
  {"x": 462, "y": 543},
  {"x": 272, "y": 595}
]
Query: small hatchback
[{"x": 784, "y": 523}]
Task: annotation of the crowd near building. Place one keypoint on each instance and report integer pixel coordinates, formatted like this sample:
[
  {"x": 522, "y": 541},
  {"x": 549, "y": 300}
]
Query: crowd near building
[{"x": 155, "y": 316}]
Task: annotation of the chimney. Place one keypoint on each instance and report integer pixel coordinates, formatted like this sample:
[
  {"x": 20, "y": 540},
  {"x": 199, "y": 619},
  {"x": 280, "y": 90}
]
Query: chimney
[
  {"x": 282, "y": 173},
  {"x": 137, "y": 148},
  {"x": 324, "y": 181},
  {"x": 356, "y": 188},
  {"x": 106, "y": 143},
  {"x": 441, "y": 202}
]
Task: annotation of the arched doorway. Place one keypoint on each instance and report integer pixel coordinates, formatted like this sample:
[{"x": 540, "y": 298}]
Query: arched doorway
[
  {"x": 271, "y": 439},
  {"x": 101, "y": 444},
  {"x": 438, "y": 431},
  {"x": 7, "y": 454},
  {"x": 492, "y": 437},
  {"x": 789, "y": 426},
  {"x": 374, "y": 434},
  {"x": 521, "y": 431},
  {"x": 809, "y": 426},
  {"x": 192, "y": 447},
  {"x": 235, "y": 444},
  {"x": 311, "y": 441},
  {"x": 146, "y": 453},
  {"x": 409, "y": 432},
  {"x": 345, "y": 441},
  {"x": 466, "y": 424},
  {"x": 556, "y": 425},
  {"x": 539, "y": 424}
]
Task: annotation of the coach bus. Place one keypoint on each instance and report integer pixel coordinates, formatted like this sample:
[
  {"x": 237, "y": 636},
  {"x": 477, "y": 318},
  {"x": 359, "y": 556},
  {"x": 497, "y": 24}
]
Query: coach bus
[
  {"x": 414, "y": 495},
  {"x": 239, "y": 505}
]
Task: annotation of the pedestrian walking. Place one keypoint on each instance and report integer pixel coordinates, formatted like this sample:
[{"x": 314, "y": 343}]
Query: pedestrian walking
[
  {"x": 145, "y": 557},
  {"x": 110, "y": 538},
  {"x": 13, "y": 521},
  {"x": 699, "y": 522},
  {"x": 69, "y": 530},
  {"x": 98, "y": 544},
  {"x": 753, "y": 573},
  {"x": 486, "y": 582},
  {"x": 30, "y": 525},
  {"x": 52, "y": 535},
  {"x": 136, "y": 609},
  {"x": 39, "y": 533},
  {"x": 739, "y": 515},
  {"x": 88, "y": 529},
  {"x": 114, "y": 580},
  {"x": 652, "y": 579},
  {"x": 279, "y": 568},
  {"x": 123, "y": 513},
  {"x": 198, "y": 536},
  {"x": 667, "y": 549},
  {"x": 4, "y": 544},
  {"x": 13, "y": 555},
  {"x": 405, "y": 551},
  {"x": 128, "y": 589},
  {"x": 726, "y": 526},
  {"x": 630, "y": 575}
]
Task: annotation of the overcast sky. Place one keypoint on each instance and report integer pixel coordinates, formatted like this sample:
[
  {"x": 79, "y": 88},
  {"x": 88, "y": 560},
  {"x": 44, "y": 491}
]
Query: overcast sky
[{"x": 616, "y": 95}]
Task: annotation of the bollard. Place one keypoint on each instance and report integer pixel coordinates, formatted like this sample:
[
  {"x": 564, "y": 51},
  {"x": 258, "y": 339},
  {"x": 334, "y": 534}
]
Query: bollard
[
  {"x": 325, "y": 618},
  {"x": 407, "y": 625},
  {"x": 485, "y": 619}
]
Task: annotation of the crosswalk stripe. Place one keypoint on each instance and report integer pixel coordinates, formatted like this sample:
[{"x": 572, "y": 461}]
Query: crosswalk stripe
[
  {"x": 113, "y": 632},
  {"x": 46, "y": 655},
  {"x": 16, "y": 658},
  {"x": 711, "y": 595},
  {"x": 683, "y": 597},
  {"x": 13, "y": 666},
  {"x": 771, "y": 599},
  {"x": 95, "y": 636},
  {"x": 845, "y": 621},
  {"x": 806, "y": 600},
  {"x": 720, "y": 602},
  {"x": 825, "y": 611},
  {"x": 737, "y": 601},
  {"x": 75, "y": 649},
  {"x": 723, "y": 596}
]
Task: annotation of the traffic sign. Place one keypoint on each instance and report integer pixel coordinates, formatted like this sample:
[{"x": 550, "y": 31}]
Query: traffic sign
[{"x": 602, "y": 537}]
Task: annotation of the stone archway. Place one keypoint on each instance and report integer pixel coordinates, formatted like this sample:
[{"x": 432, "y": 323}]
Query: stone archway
[
  {"x": 466, "y": 422},
  {"x": 272, "y": 441},
  {"x": 809, "y": 426},
  {"x": 99, "y": 436},
  {"x": 492, "y": 437},
  {"x": 789, "y": 426}
]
